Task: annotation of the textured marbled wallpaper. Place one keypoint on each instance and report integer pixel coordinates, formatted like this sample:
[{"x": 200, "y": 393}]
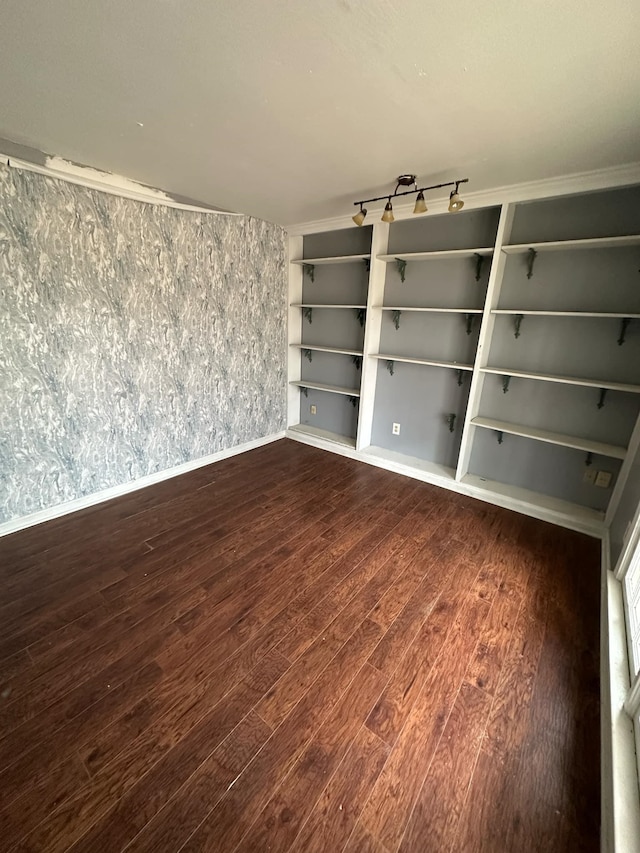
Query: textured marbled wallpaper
[{"x": 133, "y": 337}]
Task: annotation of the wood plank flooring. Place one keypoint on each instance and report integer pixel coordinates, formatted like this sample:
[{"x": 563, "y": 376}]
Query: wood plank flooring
[{"x": 292, "y": 651}]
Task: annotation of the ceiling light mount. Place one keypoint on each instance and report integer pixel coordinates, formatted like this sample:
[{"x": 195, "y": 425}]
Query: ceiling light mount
[
  {"x": 406, "y": 181},
  {"x": 455, "y": 202}
]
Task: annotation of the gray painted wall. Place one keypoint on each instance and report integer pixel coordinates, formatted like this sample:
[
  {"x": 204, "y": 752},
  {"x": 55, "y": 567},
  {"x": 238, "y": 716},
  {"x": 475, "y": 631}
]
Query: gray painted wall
[
  {"x": 468, "y": 229},
  {"x": 610, "y": 213},
  {"x": 133, "y": 338},
  {"x": 420, "y": 398},
  {"x": 545, "y": 468}
]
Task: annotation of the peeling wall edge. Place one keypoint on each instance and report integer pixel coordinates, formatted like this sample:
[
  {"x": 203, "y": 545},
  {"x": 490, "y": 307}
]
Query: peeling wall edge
[{"x": 63, "y": 170}]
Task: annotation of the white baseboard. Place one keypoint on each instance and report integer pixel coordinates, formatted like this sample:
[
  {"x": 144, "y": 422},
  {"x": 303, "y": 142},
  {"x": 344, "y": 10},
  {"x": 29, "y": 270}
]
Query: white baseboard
[
  {"x": 433, "y": 474},
  {"x": 59, "y": 510}
]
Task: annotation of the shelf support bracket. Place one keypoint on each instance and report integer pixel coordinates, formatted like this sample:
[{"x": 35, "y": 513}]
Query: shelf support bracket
[
  {"x": 469, "y": 318},
  {"x": 499, "y": 436},
  {"x": 517, "y": 322},
  {"x": 367, "y": 264},
  {"x": 451, "y": 421},
  {"x": 624, "y": 325},
  {"x": 390, "y": 366},
  {"x": 531, "y": 259},
  {"x": 353, "y": 401},
  {"x": 402, "y": 268},
  {"x": 307, "y": 313},
  {"x": 479, "y": 262},
  {"x": 395, "y": 316},
  {"x": 357, "y": 360},
  {"x": 603, "y": 394},
  {"x": 308, "y": 354},
  {"x": 588, "y": 461},
  {"x": 505, "y": 384},
  {"x": 460, "y": 376},
  {"x": 310, "y": 270},
  {"x": 304, "y": 390},
  {"x": 361, "y": 313}
]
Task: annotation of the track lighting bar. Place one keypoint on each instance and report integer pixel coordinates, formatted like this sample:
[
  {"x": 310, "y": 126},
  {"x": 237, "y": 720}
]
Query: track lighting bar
[{"x": 455, "y": 202}]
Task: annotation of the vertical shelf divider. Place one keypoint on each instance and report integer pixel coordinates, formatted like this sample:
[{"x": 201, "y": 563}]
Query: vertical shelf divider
[
  {"x": 484, "y": 340},
  {"x": 294, "y": 332},
  {"x": 373, "y": 326},
  {"x": 623, "y": 476}
]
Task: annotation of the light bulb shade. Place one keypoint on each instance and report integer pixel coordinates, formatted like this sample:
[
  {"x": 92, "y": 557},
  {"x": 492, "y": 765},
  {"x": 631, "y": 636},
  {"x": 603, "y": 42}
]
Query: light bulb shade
[
  {"x": 360, "y": 215},
  {"x": 388, "y": 216},
  {"x": 455, "y": 203},
  {"x": 421, "y": 205}
]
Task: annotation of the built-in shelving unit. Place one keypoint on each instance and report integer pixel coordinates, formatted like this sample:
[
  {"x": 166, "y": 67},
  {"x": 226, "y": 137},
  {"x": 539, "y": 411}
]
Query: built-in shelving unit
[
  {"x": 329, "y": 296},
  {"x": 499, "y": 351}
]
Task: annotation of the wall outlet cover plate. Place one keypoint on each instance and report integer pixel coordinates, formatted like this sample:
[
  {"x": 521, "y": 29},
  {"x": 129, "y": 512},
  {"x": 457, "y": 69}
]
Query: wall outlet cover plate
[{"x": 603, "y": 480}]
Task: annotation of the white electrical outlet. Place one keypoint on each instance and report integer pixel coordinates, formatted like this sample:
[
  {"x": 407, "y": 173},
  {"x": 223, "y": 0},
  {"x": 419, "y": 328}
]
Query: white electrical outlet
[
  {"x": 313, "y": 410},
  {"x": 603, "y": 479},
  {"x": 589, "y": 476},
  {"x": 395, "y": 429}
]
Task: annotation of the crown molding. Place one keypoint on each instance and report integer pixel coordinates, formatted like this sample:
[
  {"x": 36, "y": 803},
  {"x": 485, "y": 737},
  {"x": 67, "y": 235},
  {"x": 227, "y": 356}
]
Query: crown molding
[
  {"x": 616, "y": 176},
  {"x": 107, "y": 182}
]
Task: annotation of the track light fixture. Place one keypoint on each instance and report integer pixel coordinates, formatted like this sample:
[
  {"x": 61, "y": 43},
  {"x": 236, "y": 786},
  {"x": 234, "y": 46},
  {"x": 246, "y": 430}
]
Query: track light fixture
[
  {"x": 388, "y": 216},
  {"x": 421, "y": 205},
  {"x": 455, "y": 202},
  {"x": 360, "y": 215}
]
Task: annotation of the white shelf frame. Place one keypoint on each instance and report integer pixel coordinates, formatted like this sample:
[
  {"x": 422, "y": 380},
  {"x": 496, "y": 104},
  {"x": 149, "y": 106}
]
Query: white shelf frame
[
  {"x": 608, "y": 315},
  {"x": 588, "y": 445},
  {"x": 492, "y": 297},
  {"x": 372, "y": 331},
  {"x": 337, "y": 259},
  {"x": 430, "y": 310},
  {"x": 334, "y": 350},
  {"x": 324, "y": 305},
  {"x": 429, "y": 362},
  {"x": 555, "y": 509},
  {"x": 563, "y": 380},
  {"x": 447, "y": 254},
  {"x": 294, "y": 334},
  {"x": 330, "y": 389},
  {"x": 570, "y": 245},
  {"x": 306, "y": 430}
]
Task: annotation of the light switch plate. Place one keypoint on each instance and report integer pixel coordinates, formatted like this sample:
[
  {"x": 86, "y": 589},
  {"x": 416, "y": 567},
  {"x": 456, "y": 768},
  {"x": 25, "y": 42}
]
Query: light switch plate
[{"x": 603, "y": 479}]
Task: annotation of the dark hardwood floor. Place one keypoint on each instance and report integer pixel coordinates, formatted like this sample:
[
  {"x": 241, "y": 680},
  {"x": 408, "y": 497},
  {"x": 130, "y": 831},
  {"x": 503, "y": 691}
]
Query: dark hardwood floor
[{"x": 290, "y": 650}]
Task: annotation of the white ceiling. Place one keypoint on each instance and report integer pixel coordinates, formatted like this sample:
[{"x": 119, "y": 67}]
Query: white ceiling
[{"x": 291, "y": 109}]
